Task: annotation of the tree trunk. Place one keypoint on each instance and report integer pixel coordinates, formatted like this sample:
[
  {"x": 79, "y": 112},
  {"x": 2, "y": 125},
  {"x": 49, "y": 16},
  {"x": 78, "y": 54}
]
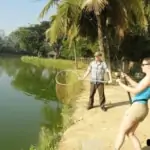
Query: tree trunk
[
  {"x": 107, "y": 54},
  {"x": 100, "y": 36},
  {"x": 103, "y": 46},
  {"x": 75, "y": 55}
]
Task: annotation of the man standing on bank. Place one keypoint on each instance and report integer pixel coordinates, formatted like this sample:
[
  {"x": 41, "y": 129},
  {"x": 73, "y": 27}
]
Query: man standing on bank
[{"x": 97, "y": 68}]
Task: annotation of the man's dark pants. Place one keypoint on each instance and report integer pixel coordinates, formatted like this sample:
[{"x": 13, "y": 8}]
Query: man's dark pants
[{"x": 100, "y": 88}]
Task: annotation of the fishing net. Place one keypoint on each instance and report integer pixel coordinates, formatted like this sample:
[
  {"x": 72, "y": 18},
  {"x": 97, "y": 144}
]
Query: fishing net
[{"x": 68, "y": 85}]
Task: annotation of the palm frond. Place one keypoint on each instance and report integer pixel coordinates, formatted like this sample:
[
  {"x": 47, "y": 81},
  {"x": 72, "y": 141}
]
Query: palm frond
[
  {"x": 95, "y": 5},
  {"x": 72, "y": 34},
  {"x": 136, "y": 8},
  {"x": 119, "y": 16},
  {"x": 147, "y": 10},
  {"x": 47, "y": 7},
  {"x": 56, "y": 30},
  {"x": 64, "y": 21},
  {"x": 125, "y": 14},
  {"x": 88, "y": 25}
]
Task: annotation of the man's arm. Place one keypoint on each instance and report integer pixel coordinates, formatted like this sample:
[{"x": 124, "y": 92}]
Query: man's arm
[
  {"x": 108, "y": 71},
  {"x": 87, "y": 72},
  {"x": 109, "y": 74}
]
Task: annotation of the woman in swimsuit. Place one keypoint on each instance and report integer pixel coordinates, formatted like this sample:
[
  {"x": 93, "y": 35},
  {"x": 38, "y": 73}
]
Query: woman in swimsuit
[{"x": 138, "y": 109}]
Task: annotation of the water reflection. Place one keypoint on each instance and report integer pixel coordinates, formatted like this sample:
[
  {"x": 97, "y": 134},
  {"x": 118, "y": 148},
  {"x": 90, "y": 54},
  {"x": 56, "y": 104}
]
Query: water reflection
[
  {"x": 33, "y": 81},
  {"x": 38, "y": 83}
]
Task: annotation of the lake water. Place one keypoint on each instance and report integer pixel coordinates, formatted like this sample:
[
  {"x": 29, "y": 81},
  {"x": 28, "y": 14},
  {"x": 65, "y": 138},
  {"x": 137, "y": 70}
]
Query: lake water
[{"x": 27, "y": 102}]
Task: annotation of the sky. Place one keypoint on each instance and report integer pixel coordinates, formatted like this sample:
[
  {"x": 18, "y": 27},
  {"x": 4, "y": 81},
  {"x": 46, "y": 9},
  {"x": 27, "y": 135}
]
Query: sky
[{"x": 16, "y": 13}]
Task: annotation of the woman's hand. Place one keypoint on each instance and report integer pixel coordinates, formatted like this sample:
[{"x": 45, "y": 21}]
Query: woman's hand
[
  {"x": 118, "y": 80},
  {"x": 123, "y": 75}
]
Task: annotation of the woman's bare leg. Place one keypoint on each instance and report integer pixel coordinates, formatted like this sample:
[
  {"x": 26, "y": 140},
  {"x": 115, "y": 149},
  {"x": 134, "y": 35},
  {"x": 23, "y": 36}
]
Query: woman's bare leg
[
  {"x": 126, "y": 125},
  {"x": 134, "y": 139}
]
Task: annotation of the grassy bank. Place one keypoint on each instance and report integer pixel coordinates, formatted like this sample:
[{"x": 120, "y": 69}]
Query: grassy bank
[
  {"x": 49, "y": 139},
  {"x": 48, "y": 63}
]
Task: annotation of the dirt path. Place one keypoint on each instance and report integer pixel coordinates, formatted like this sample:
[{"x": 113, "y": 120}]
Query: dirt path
[{"x": 95, "y": 129}]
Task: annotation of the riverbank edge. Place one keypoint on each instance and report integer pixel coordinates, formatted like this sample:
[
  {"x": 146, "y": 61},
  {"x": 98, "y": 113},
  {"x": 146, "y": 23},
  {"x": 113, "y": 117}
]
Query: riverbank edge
[
  {"x": 67, "y": 111},
  {"x": 45, "y": 137},
  {"x": 72, "y": 116}
]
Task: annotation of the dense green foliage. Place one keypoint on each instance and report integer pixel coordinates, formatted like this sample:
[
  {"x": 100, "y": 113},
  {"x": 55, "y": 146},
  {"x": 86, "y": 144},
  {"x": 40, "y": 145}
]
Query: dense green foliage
[
  {"x": 102, "y": 21},
  {"x": 31, "y": 39}
]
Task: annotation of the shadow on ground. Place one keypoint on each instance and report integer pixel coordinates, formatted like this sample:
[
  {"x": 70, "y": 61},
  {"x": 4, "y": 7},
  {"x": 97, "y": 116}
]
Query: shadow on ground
[
  {"x": 112, "y": 105},
  {"x": 146, "y": 148},
  {"x": 117, "y": 104}
]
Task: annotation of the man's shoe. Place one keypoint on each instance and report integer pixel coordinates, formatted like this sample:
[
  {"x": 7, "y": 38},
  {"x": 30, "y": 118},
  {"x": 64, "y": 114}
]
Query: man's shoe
[
  {"x": 104, "y": 108},
  {"x": 89, "y": 107}
]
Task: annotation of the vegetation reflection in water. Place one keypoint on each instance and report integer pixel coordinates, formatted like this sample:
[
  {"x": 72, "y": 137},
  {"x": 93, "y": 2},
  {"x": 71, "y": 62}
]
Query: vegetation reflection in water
[
  {"x": 49, "y": 139},
  {"x": 39, "y": 82}
]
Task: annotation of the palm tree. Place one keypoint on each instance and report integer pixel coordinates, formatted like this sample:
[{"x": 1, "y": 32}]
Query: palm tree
[
  {"x": 96, "y": 7},
  {"x": 119, "y": 13},
  {"x": 91, "y": 17},
  {"x": 64, "y": 24}
]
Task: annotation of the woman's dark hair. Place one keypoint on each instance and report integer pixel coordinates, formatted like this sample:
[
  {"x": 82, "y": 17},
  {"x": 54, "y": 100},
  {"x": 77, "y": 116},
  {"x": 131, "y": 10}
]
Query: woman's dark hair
[{"x": 147, "y": 59}]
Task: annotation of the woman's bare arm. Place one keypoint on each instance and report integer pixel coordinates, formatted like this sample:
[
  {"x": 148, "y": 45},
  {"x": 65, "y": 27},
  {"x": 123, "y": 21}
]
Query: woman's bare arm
[
  {"x": 130, "y": 80},
  {"x": 145, "y": 82}
]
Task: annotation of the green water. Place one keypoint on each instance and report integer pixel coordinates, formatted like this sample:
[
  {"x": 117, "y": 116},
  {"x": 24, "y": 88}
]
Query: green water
[{"x": 27, "y": 102}]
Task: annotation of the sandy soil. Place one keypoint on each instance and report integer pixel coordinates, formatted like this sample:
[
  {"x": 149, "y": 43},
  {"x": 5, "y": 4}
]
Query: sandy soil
[{"x": 97, "y": 130}]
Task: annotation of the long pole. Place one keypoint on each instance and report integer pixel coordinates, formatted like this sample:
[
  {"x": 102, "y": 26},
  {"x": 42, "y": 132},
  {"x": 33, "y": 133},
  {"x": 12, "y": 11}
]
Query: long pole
[{"x": 123, "y": 69}]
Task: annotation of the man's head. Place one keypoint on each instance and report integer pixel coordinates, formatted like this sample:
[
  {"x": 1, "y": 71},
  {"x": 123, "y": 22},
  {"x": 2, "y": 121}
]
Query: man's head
[{"x": 98, "y": 56}]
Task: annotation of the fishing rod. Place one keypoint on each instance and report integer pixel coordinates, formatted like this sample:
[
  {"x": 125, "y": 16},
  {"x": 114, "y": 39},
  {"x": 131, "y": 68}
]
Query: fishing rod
[
  {"x": 122, "y": 69},
  {"x": 75, "y": 76},
  {"x": 126, "y": 82}
]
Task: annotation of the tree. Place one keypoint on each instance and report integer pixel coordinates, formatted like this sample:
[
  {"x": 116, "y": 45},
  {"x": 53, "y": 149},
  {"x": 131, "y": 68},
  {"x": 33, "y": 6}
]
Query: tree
[
  {"x": 62, "y": 24},
  {"x": 6, "y": 45},
  {"x": 99, "y": 16},
  {"x": 98, "y": 13},
  {"x": 32, "y": 39},
  {"x": 135, "y": 47},
  {"x": 90, "y": 19}
]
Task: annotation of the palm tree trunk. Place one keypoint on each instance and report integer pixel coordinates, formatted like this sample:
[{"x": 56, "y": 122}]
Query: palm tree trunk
[
  {"x": 100, "y": 36},
  {"x": 75, "y": 55},
  {"x": 104, "y": 48},
  {"x": 107, "y": 54}
]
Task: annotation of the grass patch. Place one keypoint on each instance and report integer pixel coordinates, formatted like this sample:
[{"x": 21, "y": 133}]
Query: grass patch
[
  {"x": 49, "y": 139},
  {"x": 52, "y": 63}
]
